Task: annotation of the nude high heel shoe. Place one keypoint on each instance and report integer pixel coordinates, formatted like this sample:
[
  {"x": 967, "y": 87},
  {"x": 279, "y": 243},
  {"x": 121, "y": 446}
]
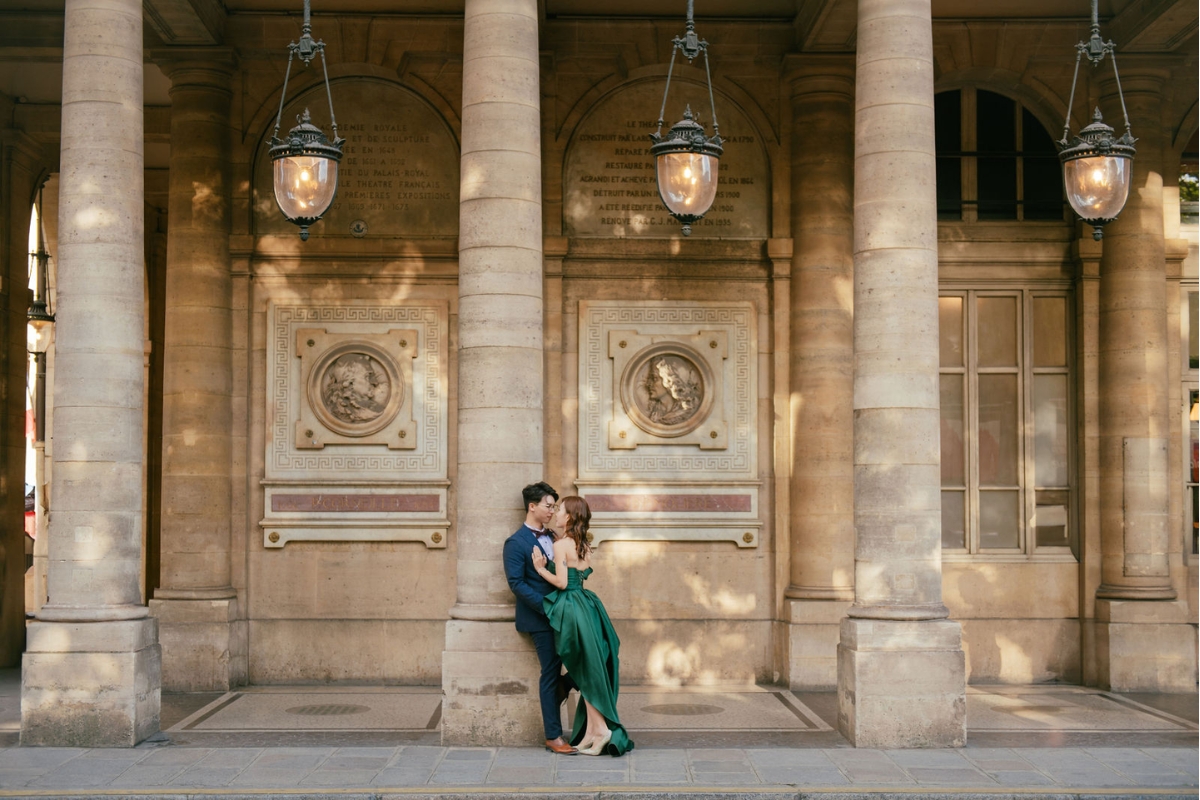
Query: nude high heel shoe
[{"x": 597, "y": 749}]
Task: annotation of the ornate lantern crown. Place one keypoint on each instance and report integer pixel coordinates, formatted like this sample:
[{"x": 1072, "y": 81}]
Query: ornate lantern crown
[
  {"x": 305, "y": 164},
  {"x": 686, "y": 160},
  {"x": 1097, "y": 166}
]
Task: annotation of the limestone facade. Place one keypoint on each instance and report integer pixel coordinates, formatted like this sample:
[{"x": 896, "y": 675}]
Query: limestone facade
[{"x": 762, "y": 414}]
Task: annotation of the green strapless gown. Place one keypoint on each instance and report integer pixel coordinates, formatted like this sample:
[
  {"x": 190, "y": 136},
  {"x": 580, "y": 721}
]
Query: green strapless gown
[{"x": 589, "y": 647}]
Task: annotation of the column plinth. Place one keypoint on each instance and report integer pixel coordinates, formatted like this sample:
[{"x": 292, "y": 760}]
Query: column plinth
[
  {"x": 901, "y": 669},
  {"x": 489, "y": 671},
  {"x": 91, "y": 670}
]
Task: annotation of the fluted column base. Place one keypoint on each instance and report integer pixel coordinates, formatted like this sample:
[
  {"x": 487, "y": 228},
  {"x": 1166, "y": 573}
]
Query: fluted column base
[
  {"x": 204, "y": 644},
  {"x": 490, "y": 678},
  {"x": 91, "y": 684},
  {"x": 1145, "y": 646},
  {"x": 902, "y": 684}
]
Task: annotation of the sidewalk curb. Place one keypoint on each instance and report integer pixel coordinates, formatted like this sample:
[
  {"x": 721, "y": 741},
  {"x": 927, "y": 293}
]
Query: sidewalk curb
[{"x": 656, "y": 793}]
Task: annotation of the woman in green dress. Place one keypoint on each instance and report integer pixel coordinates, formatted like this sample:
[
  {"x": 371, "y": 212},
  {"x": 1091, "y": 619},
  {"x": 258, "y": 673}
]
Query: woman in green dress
[{"x": 583, "y": 633}]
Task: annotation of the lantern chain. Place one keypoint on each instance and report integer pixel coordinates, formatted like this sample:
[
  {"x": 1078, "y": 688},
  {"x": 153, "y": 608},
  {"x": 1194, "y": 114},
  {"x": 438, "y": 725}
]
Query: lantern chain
[
  {"x": 306, "y": 49},
  {"x": 691, "y": 46},
  {"x": 1095, "y": 48}
]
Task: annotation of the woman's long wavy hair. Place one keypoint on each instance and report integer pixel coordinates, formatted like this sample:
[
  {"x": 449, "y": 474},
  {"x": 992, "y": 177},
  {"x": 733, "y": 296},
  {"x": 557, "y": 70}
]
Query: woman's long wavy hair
[{"x": 579, "y": 517}]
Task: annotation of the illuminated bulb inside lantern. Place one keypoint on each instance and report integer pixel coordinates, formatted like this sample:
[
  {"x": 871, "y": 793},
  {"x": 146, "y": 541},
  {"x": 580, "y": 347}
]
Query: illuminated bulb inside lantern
[
  {"x": 687, "y": 181},
  {"x": 1097, "y": 186},
  {"x": 305, "y": 185}
]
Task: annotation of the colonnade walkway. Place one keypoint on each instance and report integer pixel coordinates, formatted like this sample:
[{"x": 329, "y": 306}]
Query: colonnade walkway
[{"x": 710, "y": 742}]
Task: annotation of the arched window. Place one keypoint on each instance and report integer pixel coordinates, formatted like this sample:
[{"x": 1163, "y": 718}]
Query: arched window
[{"x": 995, "y": 161}]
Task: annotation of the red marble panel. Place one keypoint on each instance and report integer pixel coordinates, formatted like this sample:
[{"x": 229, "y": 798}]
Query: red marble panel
[
  {"x": 355, "y": 503},
  {"x": 720, "y": 503}
]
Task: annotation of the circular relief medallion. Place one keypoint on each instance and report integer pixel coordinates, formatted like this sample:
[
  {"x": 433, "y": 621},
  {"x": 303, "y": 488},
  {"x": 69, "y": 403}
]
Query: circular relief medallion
[
  {"x": 667, "y": 389},
  {"x": 355, "y": 389}
]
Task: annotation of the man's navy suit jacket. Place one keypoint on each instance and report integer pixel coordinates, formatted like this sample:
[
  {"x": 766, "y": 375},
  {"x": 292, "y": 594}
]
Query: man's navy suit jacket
[{"x": 523, "y": 579}]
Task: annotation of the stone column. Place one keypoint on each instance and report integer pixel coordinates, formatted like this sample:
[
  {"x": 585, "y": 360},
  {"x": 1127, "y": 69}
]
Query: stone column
[
  {"x": 20, "y": 165},
  {"x": 204, "y": 644},
  {"x": 1140, "y": 641},
  {"x": 901, "y": 672},
  {"x": 489, "y": 673},
  {"x": 92, "y": 667},
  {"x": 821, "y": 526}
]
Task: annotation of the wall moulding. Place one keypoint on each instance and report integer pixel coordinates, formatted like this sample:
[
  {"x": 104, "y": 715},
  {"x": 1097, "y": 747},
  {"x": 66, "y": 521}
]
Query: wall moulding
[
  {"x": 357, "y": 423},
  {"x": 668, "y": 440},
  {"x": 681, "y": 513}
]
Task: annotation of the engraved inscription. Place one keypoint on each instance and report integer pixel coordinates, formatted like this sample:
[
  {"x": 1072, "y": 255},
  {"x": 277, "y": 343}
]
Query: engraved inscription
[
  {"x": 610, "y": 187},
  {"x": 669, "y": 389},
  {"x": 671, "y": 502},
  {"x": 352, "y": 503},
  {"x": 355, "y": 388},
  {"x": 399, "y": 170}
]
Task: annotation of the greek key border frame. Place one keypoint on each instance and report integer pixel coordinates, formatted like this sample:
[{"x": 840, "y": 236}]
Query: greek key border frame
[
  {"x": 596, "y": 389},
  {"x": 430, "y": 391}
]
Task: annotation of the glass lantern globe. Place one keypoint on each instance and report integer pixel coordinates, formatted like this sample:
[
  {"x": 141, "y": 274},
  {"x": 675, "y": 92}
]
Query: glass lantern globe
[
  {"x": 686, "y": 164},
  {"x": 305, "y": 173},
  {"x": 1097, "y": 173}
]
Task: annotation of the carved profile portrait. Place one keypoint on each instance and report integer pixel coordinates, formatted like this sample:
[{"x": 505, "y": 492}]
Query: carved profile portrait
[
  {"x": 666, "y": 389},
  {"x": 672, "y": 390},
  {"x": 355, "y": 388}
]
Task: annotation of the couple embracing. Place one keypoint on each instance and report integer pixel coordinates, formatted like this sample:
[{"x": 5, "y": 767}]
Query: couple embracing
[{"x": 546, "y": 562}]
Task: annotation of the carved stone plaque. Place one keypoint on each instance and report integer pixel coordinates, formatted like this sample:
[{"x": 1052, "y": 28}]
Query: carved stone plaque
[
  {"x": 670, "y": 389},
  {"x": 356, "y": 434},
  {"x": 667, "y": 391},
  {"x": 668, "y": 415},
  {"x": 399, "y": 172},
  {"x": 356, "y": 388},
  {"x": 609, "y": 184}
]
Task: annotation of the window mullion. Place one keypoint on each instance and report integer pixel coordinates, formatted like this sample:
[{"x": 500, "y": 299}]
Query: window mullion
[
  {"x": 972, "y": 425},
  {"x": 1028, "y": 492},
  {"x": 970, "y": 191},
  {"x": 1019, "y": 130}
]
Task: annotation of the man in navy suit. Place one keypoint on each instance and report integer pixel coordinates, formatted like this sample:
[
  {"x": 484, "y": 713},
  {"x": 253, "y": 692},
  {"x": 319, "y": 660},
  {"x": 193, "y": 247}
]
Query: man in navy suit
[{"x": 529, "y": 587}]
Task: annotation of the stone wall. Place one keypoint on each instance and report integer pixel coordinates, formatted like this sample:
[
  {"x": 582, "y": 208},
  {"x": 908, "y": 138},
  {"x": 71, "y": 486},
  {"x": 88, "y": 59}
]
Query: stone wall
[{"x": 361, "y": 590}]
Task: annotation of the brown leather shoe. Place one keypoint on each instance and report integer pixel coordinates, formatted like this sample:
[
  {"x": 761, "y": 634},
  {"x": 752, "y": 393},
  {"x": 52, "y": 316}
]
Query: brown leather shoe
[{"x": 561, "y": 747}]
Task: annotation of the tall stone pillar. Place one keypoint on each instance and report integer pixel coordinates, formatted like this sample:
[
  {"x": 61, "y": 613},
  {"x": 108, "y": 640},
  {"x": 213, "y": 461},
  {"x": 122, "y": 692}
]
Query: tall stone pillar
[
  {"x": 489, "y": 672},
  {"x": 204, "y": 643},
  {"x": 92, "y": 667},
  {"x": 821, "y": 583},
  {"x": 901, "y": 671},
  {"x": 1141, "y": 641},
  {"x": 20, "y": 163}
]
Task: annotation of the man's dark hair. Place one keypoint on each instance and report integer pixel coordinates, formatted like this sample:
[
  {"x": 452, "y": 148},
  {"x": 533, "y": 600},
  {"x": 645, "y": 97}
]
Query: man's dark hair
[{"x": 534, "y": 492}]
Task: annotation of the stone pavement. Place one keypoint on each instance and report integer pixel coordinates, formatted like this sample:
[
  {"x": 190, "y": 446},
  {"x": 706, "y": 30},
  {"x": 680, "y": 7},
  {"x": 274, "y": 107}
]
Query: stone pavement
[
  {"x": 419, "y": 770},
  {"x": 355, "y": 743}
]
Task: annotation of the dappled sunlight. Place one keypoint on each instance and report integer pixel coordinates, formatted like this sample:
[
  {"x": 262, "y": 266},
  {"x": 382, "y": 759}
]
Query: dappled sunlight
[
  {"x": 1015, "y": 665},
  {"x": 843, "y": 290},
  {"x": 473, "y": 178},
  {"x": 96, "y": 217},
  {"x": 205, "y": 201},
  {"x": 708, "y": 660},
  {"x": 629, "y": 557},
  {"x": 723, "y": 600},
  {"x": 671, "y": 665}
]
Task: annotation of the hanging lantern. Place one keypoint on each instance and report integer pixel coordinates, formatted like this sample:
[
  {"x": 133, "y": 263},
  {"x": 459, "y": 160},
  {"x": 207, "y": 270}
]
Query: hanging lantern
[
  {"x": 1097, "y": 166},
  {"x": 39, "y": 316},
  {"x": 686, "y": 161},
  {"x": 305, "y": 164}
]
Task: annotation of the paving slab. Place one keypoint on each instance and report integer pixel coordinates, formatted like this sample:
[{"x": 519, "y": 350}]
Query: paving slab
[{"x": 1020, "y": 750}]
